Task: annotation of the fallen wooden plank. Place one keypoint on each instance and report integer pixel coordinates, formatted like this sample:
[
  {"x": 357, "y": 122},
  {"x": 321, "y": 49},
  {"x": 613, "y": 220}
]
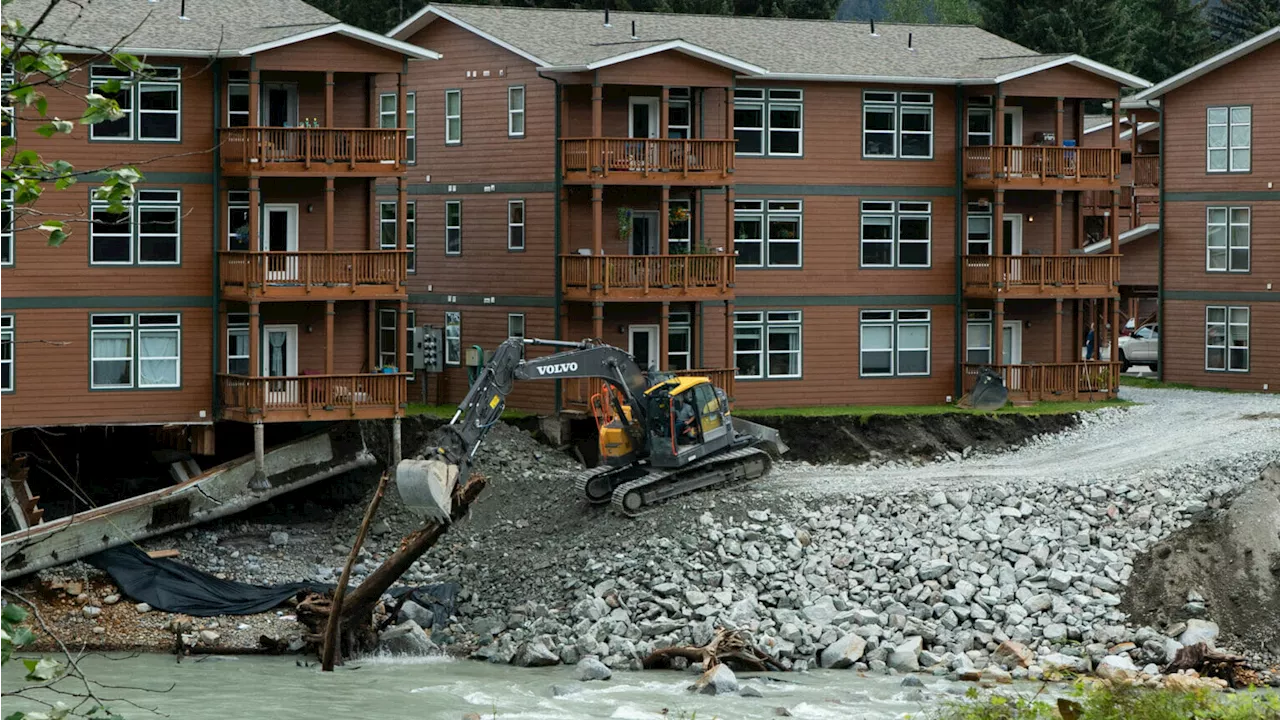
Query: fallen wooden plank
[{"x": 157, "y": 554}]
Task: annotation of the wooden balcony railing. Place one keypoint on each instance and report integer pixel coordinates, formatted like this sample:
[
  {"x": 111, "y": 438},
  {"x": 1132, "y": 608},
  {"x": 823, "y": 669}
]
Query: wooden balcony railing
[
  {"x": 1040, "y": 275},
  {"x": 1054, "y": 381},
  {"x": 665, "y": 160},
  {"x": 313, "y": 397},
  {"x": 657, "y": 277},
  {"x": 578, "y": 393},
  {"x": 1040, "y": 165},
  {"x": 318, "y": 274},
  {"x": 307, "y": 148},
  {"x": 1146, "y": 170}
]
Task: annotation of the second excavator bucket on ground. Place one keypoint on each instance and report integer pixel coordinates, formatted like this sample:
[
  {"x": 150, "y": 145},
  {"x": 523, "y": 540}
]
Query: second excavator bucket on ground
[
  {"x": 426, "y": 487},
  {"x": 989, "y": 392},
  {"x": 766, "y": 438}
]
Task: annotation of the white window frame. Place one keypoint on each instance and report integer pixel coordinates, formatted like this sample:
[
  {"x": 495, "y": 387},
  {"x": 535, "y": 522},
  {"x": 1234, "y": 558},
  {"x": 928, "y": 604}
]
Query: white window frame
[
  {"x": 899, "y": 104},
  {"x": 746, "y": 211},
  {"x": 687, "y": 240},
  {"x": 118, "y": 329},
  {"x": 410, "y": 231},
  {"x": 1227, "y": 327},
  {"x": 680, "y": 97},
  {"x": 237, "y": 201},
  {"x": 981, "y": 320},
  {"x": 896, "y": 212},
  {"x": 980, "y": 107},
  {"x": 411, "y": 128},
  {"x": 238, "y": 324},
  {"x": 512, "y": 225},
  {"x": 8, "y": 113},
  {"x": 127, "y": 234},
  {"x": 157, "y": 78},
  {"x": 785, "y": 100},
  {"x": 1232, "y": 233},
  {"x": 1232, "y": 131},
  {"x": 767, "y": 322},
  {"x": 457, "y": 228},
  {"x": 102, "y": 74},
  {"x": 514, "y": 112},
  {"x": 453, "y": 344},
  {"x": 680, "y": 324},
  {"x": 751, "y": 98},
  {"x": 512, "y": 320},
  {"x": 448, "y": 139},
  {"x": 969, "y": 238},
  {"x": 8, "y": 247},
  {"x": 880, "y": 102},
  {"x": 387, "y": 357},
  {"x": 8, "y": 352},
  {"x": 387, "y": 118},
  {"x": 895, "y": 321},
  {"x": 766, "y": 212},
  {"x": 143, "y": 201},
  {"x": 238, "y": 84},
  {"x": 160, "y": 327}
]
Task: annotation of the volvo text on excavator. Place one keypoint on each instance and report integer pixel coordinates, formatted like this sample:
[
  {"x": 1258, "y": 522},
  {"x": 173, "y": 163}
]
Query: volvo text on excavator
[{"x": 660, "y": 435}]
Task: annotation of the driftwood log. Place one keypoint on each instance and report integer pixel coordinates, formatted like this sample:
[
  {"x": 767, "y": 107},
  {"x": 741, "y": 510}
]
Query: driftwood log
[
  {"x": 357, "y": 633},
  {"x": 1209, "y": 662},
  {"x": 731, "y": 647},
  {"x": 329, "y": 650}
]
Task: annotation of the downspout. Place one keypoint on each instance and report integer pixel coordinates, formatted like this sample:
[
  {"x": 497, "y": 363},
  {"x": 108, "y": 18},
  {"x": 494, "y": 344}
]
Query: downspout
[
  {"x": 702, "y": 215},
  {"x": 217, "y": 224},
  {"x": 959, "y": 245},
  {"x": 559, "y": 188},
  {"x": 1160, "y": 314}
]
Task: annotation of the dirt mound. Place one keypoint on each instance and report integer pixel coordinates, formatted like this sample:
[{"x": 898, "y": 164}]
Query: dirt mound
[
  {"x": 896, "y": 437},
  {"x": 1232, "y": 560}
]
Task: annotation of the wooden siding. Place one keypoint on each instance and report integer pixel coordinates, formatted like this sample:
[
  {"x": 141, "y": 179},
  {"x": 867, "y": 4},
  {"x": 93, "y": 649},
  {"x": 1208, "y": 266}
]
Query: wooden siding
[
  {"x": 331, "y": 52},
  {"x": 352, "y": 210},
  {"x": 616, "y": 103},
  {"x": 350, "y": 334},
  {"x": 1140, "y": 264},
  {"x": 352, "y": 104},
  {"x": 670, "y": 68},
  {"x": 51, "y": 374},
  {"x": 1062, "y": 81},
  {"x": 486, "y": 154},
  {"x": 1184, "y": 248},
  {"x": 1183, "y": 326},
  {"x": 1242, "y": 82},
  {"x": 576, "y": 226}
]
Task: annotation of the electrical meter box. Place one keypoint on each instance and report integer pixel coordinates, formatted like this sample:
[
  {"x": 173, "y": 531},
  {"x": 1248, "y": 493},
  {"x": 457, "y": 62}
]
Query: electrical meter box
[{"x": 428, "y": 347}]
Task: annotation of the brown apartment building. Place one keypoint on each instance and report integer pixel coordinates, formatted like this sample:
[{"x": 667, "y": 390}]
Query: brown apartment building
[
  {"x": 1219, "y": 207},
  {"x": 193, "y": 307},
  {"x": 809, "y": 212}
]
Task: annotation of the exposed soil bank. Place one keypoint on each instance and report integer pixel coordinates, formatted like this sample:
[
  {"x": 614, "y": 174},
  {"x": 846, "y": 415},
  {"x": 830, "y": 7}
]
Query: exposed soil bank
[{"x": 849, "y": 440}]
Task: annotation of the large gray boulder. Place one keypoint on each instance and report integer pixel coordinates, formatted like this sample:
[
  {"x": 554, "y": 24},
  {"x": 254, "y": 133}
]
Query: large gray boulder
[
  {"x": 1199, "y": 631},
  {"x": 906, "y": 656},
  {"x": 406, "y": 639},
  {"x": 421, "y": 616},
  {"x": 843, "y": 652},
  {"x": 535, "y": 653},
  {"x": 590, "y": 668},
  {"x": 719, "y": 680}
]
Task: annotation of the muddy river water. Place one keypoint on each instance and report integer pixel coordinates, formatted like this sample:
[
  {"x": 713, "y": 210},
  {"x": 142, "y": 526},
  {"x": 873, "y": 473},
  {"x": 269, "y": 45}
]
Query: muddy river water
[{"x": 430, "y": 688}]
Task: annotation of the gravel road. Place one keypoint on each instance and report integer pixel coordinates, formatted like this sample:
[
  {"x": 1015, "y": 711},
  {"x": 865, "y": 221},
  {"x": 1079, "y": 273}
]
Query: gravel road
[{"x": 1169, "y": 430}]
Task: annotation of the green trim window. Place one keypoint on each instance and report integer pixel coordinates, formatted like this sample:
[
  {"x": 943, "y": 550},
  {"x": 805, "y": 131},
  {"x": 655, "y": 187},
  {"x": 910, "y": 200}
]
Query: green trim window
[
  {"x": 150, "y": 343},
  {"x": 452, "y": 117},
  {"x": 238, "y": 220},
  {"x": 896, "y": 234},
  {"x": 978, "y": 225},
  {"x": 680, "y": 341},
  {"x": 515, "y": 325},
  {"x": 6, "y": 227},
  {"x": 679, "y": 113},
  {"x": 151, "y": 104},
  {"x": 768, "y": 234},
  {"x": 515, "y": 225},
  {"x": 238, "y": 98},
  {"x": 1227, "y": 239},
  {"x": 452, "y": 338},
  {"x": 767, "y": 345},
  {"x": 680, "y": 232},
  {"x": 387, "y": 339},
  {"x": 981, "y": 122},
  {"x": 897, "y": 125},
  {"x": 1228, "y": 138},
  {"x": 768, "y": 122},
  {"x": 387, "y": 229},
  {"x": 238, "y": 344},
  {"x": 411, "y": 128},
  {"x": 6, "y": 353},
  {"x": 148, "y": 232},
  {"x": 453, "y": 227},
  {"x": 894, "y": 343},
  {"x": 1226, "y": 339},
  {"x": 515, "y": 111},
  {"x": 977, "y": 337}
]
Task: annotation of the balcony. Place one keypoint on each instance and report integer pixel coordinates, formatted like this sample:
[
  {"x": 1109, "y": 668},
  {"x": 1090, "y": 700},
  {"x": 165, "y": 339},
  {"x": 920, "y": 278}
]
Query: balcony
[
  {"x": 313, "y": 275},
  {"x": 1146, "y": 171},
  {"x": 578, "y": 393},
  {"x": 632, "y": 161},
  {"x": 309, "y": 150},
  {"x": 647, "y": 277},
  {"x": 313, "y": 397},
  {"x": 1037, "y": 167},
  {"x": 1040, "y": 276},
  {"x": 1073, "y": 381}
]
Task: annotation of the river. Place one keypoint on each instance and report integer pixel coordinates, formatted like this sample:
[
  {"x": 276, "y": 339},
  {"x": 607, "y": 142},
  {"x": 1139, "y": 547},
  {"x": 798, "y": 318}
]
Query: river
[{"x": 226, "y": 688}]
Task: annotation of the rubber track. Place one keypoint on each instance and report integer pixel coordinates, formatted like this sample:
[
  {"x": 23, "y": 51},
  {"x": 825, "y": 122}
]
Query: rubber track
[
  {"x": 717, "y": 469},
  {"x": 585, "y": 478}
]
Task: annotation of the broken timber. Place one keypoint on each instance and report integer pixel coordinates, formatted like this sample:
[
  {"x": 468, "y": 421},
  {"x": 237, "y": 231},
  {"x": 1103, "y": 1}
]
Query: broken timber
[
  {"x": 223, "y": 490},
  {"x": 730, "y": 647}
]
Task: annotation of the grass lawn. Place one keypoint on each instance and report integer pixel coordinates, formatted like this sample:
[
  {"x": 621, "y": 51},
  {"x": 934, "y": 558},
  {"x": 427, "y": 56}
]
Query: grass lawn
[
  {"x": 1152, "y": 383},
  {"x": 1041, "y": 408},
  {"x": 445, "y": 412}
]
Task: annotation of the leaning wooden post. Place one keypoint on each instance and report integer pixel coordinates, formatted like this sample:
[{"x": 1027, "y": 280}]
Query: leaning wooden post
[{"x": 330, "y": 653}]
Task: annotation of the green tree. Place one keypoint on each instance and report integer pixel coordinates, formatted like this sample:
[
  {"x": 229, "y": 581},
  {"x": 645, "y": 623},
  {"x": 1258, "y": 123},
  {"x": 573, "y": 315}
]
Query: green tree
[
  {"x": 950, "y": 12},
  {"x": 1092, "y": 28},
  {"x": 1234, "y": 21},
  {"x": 1166, "y": 37}
]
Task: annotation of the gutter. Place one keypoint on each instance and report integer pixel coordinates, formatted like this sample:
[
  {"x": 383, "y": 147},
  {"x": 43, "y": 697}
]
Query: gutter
[
  {"x": 1160, "y": 285},
  {"x": 216, "y": 408},
  {"x": 961, "y": 206},
  {"x": 559, "y": 189}
]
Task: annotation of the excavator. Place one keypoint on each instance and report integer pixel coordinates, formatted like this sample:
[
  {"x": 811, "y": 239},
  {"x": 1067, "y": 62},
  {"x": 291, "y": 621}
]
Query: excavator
[{"x": 660, "y": 435}]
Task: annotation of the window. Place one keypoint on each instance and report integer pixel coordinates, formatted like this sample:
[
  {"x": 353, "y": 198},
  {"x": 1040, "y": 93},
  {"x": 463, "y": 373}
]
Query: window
[
  {"x": 6, "y": 353},
  {"x": 452, "y": 117},
  {"x": 411, "y": 128},
  {"x": 387, "y": 229},
  {"x": 453, "y": 338},
  {"x": 515, "y": 225},
  {"x": 1227, "y": 239},
  {"x": 679, "y": 114},
  {"x": 768, "y": 234},
  {"x": 774, "y": 115},
  {"x": 515, "y": 325},
  {"x": 149, "y": 342},
  {"x": 152, "y": 104},
  {"x": 680, "y": 341},
  {"x": 978, "y": 337},
  {"x": 6, "y": 227},
  {"x": 238, "y": 344},
  {"x": 238, "y": 99},
  {"x": 387, "y": 110},
  {"x": 453, "y": 227},
  {"x": 7, "y": 110},
  {"x": 897, "y": 124},
  {"x": 156, "y": 235},
  {"x": 387, "y": 338},
  {"x": 894, "y": 343},
  {"x": 980, "y": 129},
  {"x": 978, "y": 234},
  {"x": 767, "y": 344},
  {"x": 1228, "y": 138},
  {"x": 515, "y": 111},
  {"x": 680, "y": 228},
  {"x": 1226, "y": 338},
  {"x": 896, "y": 234},
  {"x": 238, "y": 220}
]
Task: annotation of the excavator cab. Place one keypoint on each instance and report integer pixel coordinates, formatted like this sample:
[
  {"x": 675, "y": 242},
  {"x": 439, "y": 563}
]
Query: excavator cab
[{"x": 687, "y": 420}]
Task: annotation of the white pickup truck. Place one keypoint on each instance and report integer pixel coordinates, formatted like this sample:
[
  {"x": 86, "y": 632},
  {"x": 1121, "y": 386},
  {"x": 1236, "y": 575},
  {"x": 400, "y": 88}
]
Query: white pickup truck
[{"x": 1141, "y": 348}]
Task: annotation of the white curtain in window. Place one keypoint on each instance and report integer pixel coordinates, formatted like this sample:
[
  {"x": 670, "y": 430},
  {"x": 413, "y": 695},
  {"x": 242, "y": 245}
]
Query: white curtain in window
[{"x": 159, "y": 359}]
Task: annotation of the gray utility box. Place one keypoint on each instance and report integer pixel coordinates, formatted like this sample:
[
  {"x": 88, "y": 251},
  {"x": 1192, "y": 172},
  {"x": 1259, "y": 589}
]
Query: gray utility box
[{"x": 428, "y": 348}]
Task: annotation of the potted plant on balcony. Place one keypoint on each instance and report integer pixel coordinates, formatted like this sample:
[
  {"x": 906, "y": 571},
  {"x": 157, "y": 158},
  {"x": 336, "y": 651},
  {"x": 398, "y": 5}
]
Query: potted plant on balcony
[{"x": 624, "y": 224}]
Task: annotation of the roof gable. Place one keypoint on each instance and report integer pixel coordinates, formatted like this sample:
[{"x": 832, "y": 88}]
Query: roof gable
[{"x": 1204, "y": 68}]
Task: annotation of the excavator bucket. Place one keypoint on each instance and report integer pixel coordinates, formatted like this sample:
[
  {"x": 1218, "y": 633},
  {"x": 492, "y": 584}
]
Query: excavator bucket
[
  {"x": 766, "y": 438},
  {"x": 989, "y": 392},
  {"x": 426, "y": 487}
]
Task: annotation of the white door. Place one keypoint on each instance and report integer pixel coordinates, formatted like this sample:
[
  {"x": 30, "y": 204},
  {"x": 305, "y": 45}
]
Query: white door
[
  {"x": 644, "y": 233},
  {"x": 644, "y": 117},
  {"x": 1011, "y": 244},
  {"x": 642, "y": 342},
  {"x": 1011, "y": 353},
  {"x": 1013, "y": 136},
  {"x": 280, "y": 235},
  {"x": 280, "y": 359}
]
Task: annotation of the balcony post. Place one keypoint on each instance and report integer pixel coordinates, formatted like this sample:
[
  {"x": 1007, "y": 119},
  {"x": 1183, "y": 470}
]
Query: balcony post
[
  {"x": 222, "y": 338},
  {"x": 664, "y": 328},
  {"x": 255, "y": 341},
  {"x": 664, "y": 226},
  {"x": 402, "y": 118},
  {"x": 402, "y": 336},
  {"x": 729, "y": 361},
  {"x": 328, "y": 100},
  {"x": 1057, "y": 222},
  {"x": 728, "y": 132},
  {"x": 997, "y": 335},
  {"x": 255, "y": 213},
  {"x": 330, "y": 310},
  {"x": 597, "y": 107},
  {"x": 1115, "y": 331},
  {"x": 597, "y": 320},
  {"x": 996, "y": 276},
  {"x": 1133, "y": 170},
  {"x": 1057, "y": 330},
  {"x": 664, "y": 102},
  {"x": 402, "y": 213},
  {"x": 597, "y": 220},
  {"x": 1115, "y": 221},
  {"x": 1115, "y": 139},
  {"x": 1057, "y": 121},
  {"x": 328, "y": 213},
  {"x": 728, "y": 222},
  {"x": 371, "y": 343},
  {"x": 255, "y": 134},
  {"x": 997, "y": 152}
]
